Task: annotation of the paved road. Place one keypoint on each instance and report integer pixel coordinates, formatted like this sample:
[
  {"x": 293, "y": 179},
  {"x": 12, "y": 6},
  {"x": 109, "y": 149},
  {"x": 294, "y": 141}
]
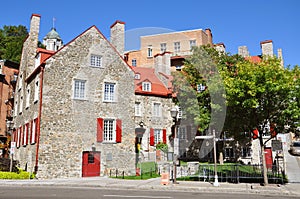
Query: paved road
[
  {"x": 292, "y": 163},
  {"x": 54, "y": 192}
]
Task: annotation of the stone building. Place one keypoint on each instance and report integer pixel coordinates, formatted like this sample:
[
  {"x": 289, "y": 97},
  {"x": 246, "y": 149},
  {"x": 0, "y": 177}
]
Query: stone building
[
  {"x": 74, "y": 108},
  {"x": 8, "y": 78},
  {"x": 153, "y": 102}
]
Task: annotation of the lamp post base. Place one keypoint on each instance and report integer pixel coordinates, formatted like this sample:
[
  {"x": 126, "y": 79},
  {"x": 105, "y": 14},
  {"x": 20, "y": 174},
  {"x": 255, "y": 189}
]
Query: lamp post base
[{"x": 216, "y": 183}]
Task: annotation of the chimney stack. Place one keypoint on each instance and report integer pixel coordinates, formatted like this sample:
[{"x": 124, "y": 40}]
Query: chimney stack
[
  {"x": 243, "y": 51},
  {"x": 267, "y": 48},
  {"x": 117, "y": 36},
  {"x": 279, "y": 55},
  {"x": 209, "y": 36}
]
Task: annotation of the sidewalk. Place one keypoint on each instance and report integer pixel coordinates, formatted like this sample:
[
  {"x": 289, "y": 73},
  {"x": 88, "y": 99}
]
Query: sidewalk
[{"x": 291, "y": 189}]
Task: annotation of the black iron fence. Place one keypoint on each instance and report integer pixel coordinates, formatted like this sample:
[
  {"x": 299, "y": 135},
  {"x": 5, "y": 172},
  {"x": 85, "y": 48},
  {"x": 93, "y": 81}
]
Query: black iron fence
[{"x": 234, "y": 173}]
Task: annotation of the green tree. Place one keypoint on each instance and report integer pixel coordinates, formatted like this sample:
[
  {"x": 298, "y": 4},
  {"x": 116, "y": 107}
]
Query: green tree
[
  {"x": 259, "y": 96},
  {"x": 11, "y": 42}
]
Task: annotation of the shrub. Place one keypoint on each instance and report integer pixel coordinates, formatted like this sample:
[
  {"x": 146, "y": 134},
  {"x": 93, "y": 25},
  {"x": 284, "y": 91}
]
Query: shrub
[{"x": 16, "y": 175}]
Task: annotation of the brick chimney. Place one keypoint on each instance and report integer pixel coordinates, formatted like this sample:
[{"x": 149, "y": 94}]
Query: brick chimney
[
  {"x": 117, "y": 36},
  {"x": 267, "y": 48},
  {"x": 243, "y": 51},
  {"x": 209, "y": 36}
]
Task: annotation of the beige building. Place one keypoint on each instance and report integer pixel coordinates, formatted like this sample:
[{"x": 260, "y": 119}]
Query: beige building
[{"x": 179, "y": 44}]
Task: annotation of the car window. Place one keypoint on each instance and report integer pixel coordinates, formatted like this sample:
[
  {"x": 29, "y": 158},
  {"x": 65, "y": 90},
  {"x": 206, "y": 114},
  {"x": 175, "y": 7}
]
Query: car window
[{"x": 296, "y": 144}]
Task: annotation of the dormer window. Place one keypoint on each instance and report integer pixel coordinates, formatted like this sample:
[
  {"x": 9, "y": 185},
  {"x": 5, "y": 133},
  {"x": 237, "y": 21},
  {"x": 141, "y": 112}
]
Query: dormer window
[
  {"x": 137, "y": 76},
  {"x": 146, "y": 86}
]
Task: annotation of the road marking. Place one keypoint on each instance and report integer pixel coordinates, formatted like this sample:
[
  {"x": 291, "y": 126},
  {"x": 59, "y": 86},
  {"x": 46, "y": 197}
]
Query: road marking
[{"x": 122, "y": 196}]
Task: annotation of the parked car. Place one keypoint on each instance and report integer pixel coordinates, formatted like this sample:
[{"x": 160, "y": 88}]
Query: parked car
[{"x": 295, "y": 148}]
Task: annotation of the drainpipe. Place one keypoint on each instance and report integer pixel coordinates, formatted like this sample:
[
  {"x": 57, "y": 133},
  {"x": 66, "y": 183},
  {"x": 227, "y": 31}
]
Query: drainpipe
[{"x": 39, "y": 121}]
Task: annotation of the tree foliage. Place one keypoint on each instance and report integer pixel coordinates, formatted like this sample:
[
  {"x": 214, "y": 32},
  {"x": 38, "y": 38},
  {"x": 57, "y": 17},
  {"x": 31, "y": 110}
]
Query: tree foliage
[{"x": 11, "y": 42}]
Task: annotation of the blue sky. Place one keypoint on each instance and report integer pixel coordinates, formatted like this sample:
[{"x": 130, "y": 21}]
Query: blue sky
[{"x": 233, "y": 22}]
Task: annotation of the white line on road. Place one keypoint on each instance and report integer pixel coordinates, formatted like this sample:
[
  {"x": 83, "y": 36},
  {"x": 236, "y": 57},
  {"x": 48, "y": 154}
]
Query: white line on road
[{"x": 122, "y": 196}]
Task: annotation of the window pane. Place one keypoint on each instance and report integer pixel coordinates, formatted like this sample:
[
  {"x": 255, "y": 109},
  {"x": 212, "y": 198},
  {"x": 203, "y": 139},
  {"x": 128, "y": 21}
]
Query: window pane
[
  {"x": 79, "y": 89},
  {"x": 109, "y": 92}
]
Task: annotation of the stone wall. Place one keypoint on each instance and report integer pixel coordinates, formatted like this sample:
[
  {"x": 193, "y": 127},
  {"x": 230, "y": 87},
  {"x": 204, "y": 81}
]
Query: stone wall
[{"x": 69, "y": 126}]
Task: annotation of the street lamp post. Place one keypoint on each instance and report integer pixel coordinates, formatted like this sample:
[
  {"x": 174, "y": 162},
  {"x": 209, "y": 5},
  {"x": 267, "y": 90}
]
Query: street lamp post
[
  {"x": 206, "y": 137},
  {"x": 174, "y": 112},
  {"x": 216, "y": 183}
]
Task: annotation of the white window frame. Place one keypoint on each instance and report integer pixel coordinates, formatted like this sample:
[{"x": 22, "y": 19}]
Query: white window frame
[
  {"x": 79, "y": 88},
  {"x": 21, "y": 104},
  {"x": 138, "y": 109},
  {"x": 192, "y": 43},
  {"x": 96, "y": 60},
  {"x": 36, "y": 89},
  {"x": 137, "y": 76},
  {"x": 146, "y": 86},
  {"x": 156, "y": 107},
  {"x": 133, "y": 62},
  {"x": 149, "y": 51},
  {"x": 158, "y": 136},
  {"x": 109, "y": 92},
  {"x": 20, "y": 82},
  {"x": 33, "y": 130},
  {"x": 177, "y": 47},
  {"x": 163, "y": 47},
  {"x": 109, "y": 130},
  {"x": 27, "y": 97},
  {"x": 25, "y": 134}
]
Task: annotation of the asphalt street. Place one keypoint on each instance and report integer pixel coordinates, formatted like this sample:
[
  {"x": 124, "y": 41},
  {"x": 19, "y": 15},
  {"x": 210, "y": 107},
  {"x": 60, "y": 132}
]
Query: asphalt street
[{"x": 54, "y": 192}]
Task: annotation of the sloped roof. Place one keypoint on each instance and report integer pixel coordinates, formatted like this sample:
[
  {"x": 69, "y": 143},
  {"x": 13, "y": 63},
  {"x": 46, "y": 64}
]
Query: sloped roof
[
  {"x": 254, "y": 59},
  {"x": 52, "y": 35},
  {"x": 157, "y": 86}
]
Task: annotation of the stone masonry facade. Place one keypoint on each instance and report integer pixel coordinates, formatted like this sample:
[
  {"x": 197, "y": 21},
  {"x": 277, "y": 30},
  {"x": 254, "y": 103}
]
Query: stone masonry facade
[{"x": 68, "y": 126}]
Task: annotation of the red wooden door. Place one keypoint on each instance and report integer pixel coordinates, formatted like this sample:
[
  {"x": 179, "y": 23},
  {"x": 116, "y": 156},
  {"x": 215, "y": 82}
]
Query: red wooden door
[
  {"x": 269, "y": 158},
  {"x": 90, "y": 163}
]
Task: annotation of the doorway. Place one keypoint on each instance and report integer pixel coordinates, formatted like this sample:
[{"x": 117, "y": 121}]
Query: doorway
[{"x": 90, "y": 163}]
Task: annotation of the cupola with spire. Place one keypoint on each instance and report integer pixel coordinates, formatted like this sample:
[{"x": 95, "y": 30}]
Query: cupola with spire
[{"x": 52, "y": 40}]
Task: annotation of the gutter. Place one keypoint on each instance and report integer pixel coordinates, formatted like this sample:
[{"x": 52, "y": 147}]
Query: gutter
[{"x": 39, "y": 120}]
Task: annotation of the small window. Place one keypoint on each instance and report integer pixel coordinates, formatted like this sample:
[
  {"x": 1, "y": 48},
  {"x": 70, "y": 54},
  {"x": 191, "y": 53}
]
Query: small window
[
  {"x": 149, "y": 51},
  {"x": 156, "y": 109},
  {"x": 157, "y": 136},
  {"x": 138, "y": 109},
  {"x": 21, "y": 104},
  {"x": 146, "y": 86},
  {"x": 176, "y": 47},
  {"x": 109, "y": 92},
  {"x": 36, "y": 90},
  {"x": 91, "y": 158},
  {"x": 27, "y": 97},
  {"x": 137, "y": 76},
  {"x": 192, "y": 43},
  {"x": 79, "y": 89},
  {"x": 133, "y": 62},
  {"x": 96, "y": 60},
  {"x": 163, "y": 47}
]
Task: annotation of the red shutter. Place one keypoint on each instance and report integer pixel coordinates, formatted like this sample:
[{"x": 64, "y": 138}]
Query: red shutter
[
  {"x": 26, "y": 133},
  {"x": 164, "y": 136},
  {"x": 151, "y": 137},
  {"x": 118, "y": 131},
  {"x": 99, "y": 129}
]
